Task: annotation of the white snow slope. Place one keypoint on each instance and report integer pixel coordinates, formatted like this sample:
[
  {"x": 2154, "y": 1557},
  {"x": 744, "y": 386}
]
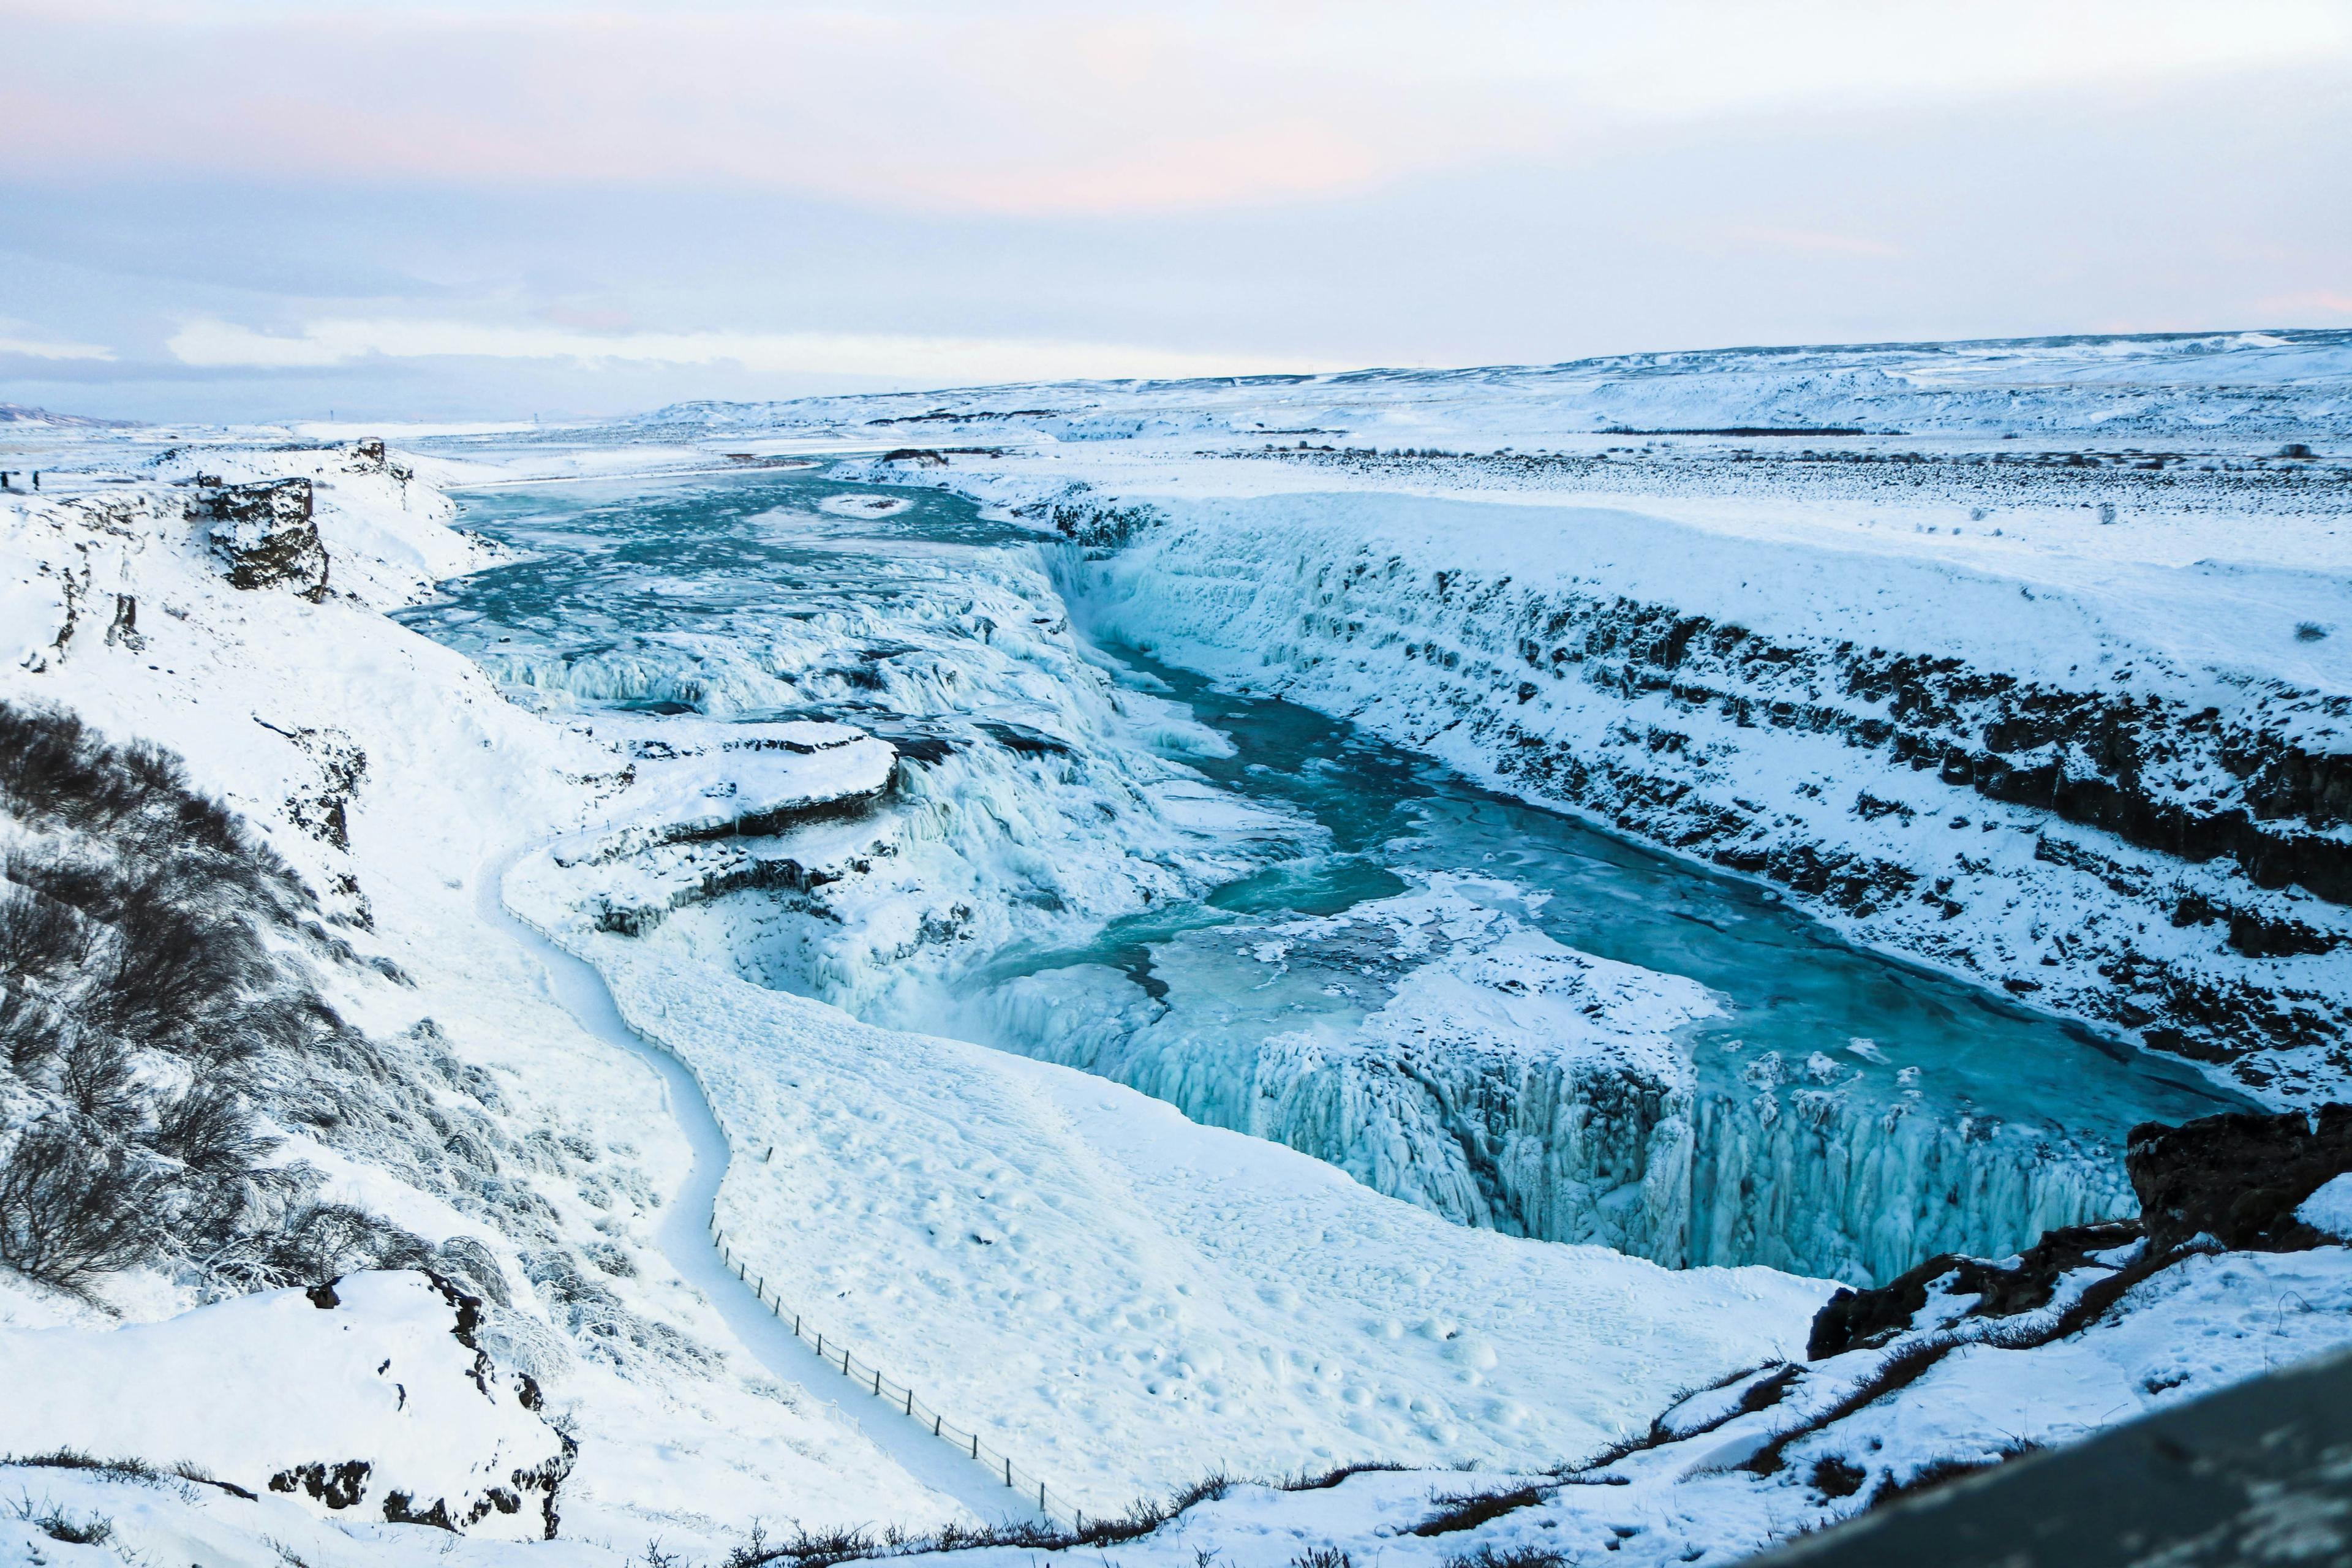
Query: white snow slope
[{"x": 254, "y": 688}]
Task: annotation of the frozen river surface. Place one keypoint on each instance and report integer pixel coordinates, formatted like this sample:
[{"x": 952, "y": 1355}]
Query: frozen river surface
[{"x": 1282, "y": 924}]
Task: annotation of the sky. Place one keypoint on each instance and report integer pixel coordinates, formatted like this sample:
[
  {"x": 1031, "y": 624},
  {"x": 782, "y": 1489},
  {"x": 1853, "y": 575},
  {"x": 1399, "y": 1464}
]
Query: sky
[{"x": 244, "y": 210}]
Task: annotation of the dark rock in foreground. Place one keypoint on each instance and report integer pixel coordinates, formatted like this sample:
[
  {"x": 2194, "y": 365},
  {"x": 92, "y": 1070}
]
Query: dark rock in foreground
[{"x": 2253, "y": 1474}]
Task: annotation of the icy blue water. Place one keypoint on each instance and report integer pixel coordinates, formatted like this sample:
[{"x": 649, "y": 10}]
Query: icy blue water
[
  {"x": 1796, "y": 987},
  {"x": 1850, "y": 1114}
]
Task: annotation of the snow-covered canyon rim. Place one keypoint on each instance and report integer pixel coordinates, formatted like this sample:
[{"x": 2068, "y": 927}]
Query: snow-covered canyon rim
[{"x": 2125, "y": 795}]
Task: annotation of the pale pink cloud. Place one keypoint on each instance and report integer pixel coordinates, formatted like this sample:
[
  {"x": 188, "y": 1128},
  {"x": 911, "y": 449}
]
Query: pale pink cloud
[
  {"x": 937, "y": 361},
  {"x": 2290, "y": 309},
  {"x": 1028, "y": 108}
]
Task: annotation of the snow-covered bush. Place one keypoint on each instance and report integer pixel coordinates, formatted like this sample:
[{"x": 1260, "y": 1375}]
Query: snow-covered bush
[{"x": 149, "y": 1006}]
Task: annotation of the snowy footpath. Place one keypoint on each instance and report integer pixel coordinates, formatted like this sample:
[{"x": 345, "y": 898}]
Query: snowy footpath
[{"x": 684, "y": 1234}]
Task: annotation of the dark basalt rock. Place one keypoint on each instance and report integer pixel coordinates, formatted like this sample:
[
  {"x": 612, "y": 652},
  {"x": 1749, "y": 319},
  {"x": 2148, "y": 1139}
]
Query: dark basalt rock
[
  {"x": 1022, "y": 739},
  {"x": 2237, "y": 1177},
  {"x": 264, "y": 533},
  {"x": 399, "y": 1508},
  {"x": 337, "y": 1485},
  {"x": 779, "y": 820},
  {"x": 1852, "y": 1318}
]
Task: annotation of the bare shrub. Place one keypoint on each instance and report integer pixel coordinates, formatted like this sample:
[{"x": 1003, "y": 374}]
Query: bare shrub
[
  {"x": 97, "y": 1077},
  {"x": 209, "y": 1130},
  {"x": 326, "y": 1241},
  {"x": 171, "y": 970},
  {"x": 53, "y": 1521},
  {"x": 32, "y": 1031},
  {"x": 70, "y": 1208},
  {"x": 38, "y": 936},
  {"x": 1512, "y": 1557},
  {"x": 140, "y": 921}
]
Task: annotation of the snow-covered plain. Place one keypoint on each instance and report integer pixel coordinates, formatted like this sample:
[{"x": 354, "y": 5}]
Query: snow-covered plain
[{"x": 2082, "y": 568}]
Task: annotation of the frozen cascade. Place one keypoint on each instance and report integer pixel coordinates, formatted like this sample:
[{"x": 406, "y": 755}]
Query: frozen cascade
[
  {"x": 1509, "y": 1083},
  {"x": 1275, "y": 923},
  {"x": 1832, "y": 1182},
  {"x": 1514, "y": 1083},
  {"x": 1037, "y": 798}
]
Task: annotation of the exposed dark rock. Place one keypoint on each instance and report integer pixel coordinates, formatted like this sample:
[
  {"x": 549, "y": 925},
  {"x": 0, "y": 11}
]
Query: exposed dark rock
[
  {"x": 123, "y": 631},
  {"x": 2237, "y": 1177},
  {"x": 781, "y": 819},
  {"x": 1094, "y": 524},
  {"x": 337, "y": 1485},
  {"x": 1021, "y": 738},
  {"x": 761, "y": 875},
  {"x": 915, "y": 746},
  {"x": 1834, "y": 1476},
  {"x": 1852, "y": 1318},
  {"x": 399, "y": 1508},
  {"x": 265, "y": 534}
]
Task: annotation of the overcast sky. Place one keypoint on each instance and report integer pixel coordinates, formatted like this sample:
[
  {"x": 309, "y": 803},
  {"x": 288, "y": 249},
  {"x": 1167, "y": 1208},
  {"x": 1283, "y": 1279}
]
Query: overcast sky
[{"x": 246, "y": 209}]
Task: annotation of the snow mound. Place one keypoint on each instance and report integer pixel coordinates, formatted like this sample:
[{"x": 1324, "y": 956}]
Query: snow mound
[
  {"x": 367, "y": 1394},
  {"x": 2329, "y": 1210}
]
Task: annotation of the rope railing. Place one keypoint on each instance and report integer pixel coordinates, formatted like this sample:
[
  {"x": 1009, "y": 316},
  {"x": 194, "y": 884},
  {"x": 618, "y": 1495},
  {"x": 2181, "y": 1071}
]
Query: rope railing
[
  {"x": 859, "y": 1375},
  {"x": 870, "y": 1380}
]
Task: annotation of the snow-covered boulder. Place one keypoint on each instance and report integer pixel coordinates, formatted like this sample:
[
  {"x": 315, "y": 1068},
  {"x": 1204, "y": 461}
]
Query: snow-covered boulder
[{"x": 369, "y": 1394}]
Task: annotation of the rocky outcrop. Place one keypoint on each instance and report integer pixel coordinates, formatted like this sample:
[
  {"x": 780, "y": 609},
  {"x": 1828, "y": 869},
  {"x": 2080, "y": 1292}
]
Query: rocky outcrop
[
  {"x": 2022, "y": 1284},
  {"x": 2233, "y": 1180},
  {"x": 2238, "y": 1179},
  {"x": 263, "y": 534}
]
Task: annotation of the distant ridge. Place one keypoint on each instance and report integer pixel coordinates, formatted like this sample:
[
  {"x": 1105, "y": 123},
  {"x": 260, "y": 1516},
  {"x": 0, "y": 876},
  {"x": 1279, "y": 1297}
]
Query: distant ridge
[{"x": 17, "y": 413}]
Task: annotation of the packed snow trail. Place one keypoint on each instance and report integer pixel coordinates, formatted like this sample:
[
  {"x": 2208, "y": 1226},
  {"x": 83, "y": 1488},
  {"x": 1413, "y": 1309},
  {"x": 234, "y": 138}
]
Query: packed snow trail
[{"x": 684, "y": 1233}]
